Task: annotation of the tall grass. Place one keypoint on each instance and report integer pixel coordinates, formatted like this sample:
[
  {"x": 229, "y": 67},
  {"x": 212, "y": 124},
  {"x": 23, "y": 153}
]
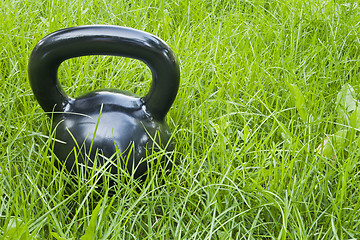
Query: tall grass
[{"x": 246, "y": 148}]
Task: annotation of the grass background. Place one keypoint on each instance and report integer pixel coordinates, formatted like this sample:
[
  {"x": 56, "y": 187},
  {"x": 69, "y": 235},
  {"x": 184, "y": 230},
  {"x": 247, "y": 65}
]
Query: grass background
[{"x": 247, "y": 162}]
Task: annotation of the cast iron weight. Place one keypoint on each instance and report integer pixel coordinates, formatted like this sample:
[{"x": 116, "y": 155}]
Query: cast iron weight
[{"x": 126, "y": 122}]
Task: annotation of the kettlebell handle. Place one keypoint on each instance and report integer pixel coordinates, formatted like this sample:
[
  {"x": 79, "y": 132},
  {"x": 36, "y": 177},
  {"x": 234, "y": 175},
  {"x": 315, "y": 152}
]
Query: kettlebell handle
[{"x": 68, "y": 43}]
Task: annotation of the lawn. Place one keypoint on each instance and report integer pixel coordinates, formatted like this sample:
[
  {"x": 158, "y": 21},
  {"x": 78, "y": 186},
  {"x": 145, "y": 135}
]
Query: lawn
[{"x": 266, "y": 123}]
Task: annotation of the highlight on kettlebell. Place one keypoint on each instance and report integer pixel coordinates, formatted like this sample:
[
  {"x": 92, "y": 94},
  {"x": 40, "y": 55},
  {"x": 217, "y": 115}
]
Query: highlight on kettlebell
[{"x": 106, "y": 129}]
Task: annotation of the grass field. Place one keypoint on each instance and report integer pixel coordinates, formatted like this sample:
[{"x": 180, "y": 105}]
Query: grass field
[{"x": 266, "y": 122}]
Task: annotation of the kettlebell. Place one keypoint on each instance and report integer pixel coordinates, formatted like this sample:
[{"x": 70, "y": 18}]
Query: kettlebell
[{"x": 110, "y": 128}]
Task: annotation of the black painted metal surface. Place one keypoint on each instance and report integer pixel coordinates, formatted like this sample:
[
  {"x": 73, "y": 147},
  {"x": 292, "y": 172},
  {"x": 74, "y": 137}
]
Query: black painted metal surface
[{"x": 106, "y": 121}]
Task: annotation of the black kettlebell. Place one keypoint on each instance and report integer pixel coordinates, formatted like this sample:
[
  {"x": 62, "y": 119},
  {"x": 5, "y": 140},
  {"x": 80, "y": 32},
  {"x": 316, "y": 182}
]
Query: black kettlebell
[{"x": 101, "y": 124}]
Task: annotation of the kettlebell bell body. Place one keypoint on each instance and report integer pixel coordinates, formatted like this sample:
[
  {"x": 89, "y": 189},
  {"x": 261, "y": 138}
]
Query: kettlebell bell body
[{"x": 106, "y": 128}]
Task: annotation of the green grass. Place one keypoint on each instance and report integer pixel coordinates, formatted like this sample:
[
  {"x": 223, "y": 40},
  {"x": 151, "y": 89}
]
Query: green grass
[{"x": 258, "y": 94}]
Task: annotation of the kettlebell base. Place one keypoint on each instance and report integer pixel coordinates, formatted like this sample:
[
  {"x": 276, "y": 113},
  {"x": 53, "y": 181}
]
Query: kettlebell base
[{"x": 93, "y": 132}]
